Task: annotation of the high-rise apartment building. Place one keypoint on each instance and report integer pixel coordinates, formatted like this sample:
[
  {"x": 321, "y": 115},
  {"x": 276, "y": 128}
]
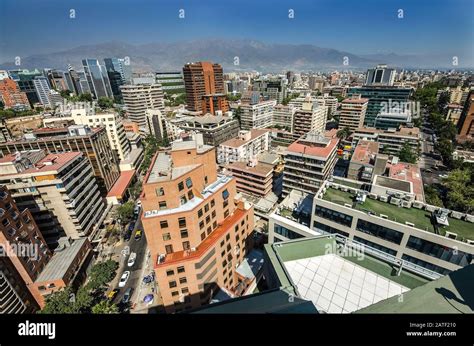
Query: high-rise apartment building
[
  {"x": 11, "y": 95},
  {"x": 214, "y": 102},
  {"x": 381, "y": 75},
  {"x": 97, "y": 77},
  {"x": 353, "y": 113},
  {"x": 256, "y": 114},
  {"x": 172, "y": 82},
  {"x": 271, "y": 89},
  {"x": 466, "y": 122},
  {"x": 200, "y": 79},
  {"x": 309, "y": 118},
  {"x": 43, "y": 90},
  {"x": 246, "y": 146},
  {"x": 283, "y": 116},
  {"x": 195, "y": 228},
  {"x": 59, "y": 189},
  {"x": 119, "y": 73},
  {"x": 93, "y": 143},
  {"x": 24, "y": 255},
  {"x": 25, "y": 78},
  {"x": 138, "y": 98},
  {"x": 308, "y": 162}
]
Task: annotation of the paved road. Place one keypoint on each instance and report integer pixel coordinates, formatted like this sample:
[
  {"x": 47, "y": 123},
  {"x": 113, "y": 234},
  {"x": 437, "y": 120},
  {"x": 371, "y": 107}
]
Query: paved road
[
  {"x": 429, "y": 159},
  {"x": 140, "y": 248}
]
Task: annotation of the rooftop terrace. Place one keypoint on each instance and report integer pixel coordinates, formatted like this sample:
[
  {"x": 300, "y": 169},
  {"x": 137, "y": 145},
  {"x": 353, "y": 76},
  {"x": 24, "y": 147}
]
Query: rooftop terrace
[{"x": 419, "y": 217}]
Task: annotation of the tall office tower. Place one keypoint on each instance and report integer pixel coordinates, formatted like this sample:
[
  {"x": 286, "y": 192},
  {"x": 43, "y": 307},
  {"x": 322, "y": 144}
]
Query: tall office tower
[
  {"x": 11, "y": 96},
  {"x": 290, "y": 76},
  {"x": 119, "y": 74},
  {"x": 196, "y": 228},
  {"x": 271, "y": 89},
  {"x": 97, "y": 77},
  {"x": 309, "y": 118},
  {"x": 57, "y": 80},
  {"x": 75, "y": 80},
  {"x": 466, "y": 122},
  {"x": 59, "y": 189},
  {"x": 381, "y": 75},
  {"x": 200, "y": 79},
  {"x": 381, "y": 99},
  {"x": 138, "y": 98},
  {"x": 316, "y": 83},
  {"x": 172, "y": 82},
  {"x": 25, "y": 78},
  {"x": 93, "y": 143},
  {"x": 24, "y": 256},
  {"x": 353, "y": 113},
  {"x": 84, "y": 84},
  {"x": 42, "y": 89},
  {"x": 308, "y": 162},
  {"x": 213, "y": 103}
]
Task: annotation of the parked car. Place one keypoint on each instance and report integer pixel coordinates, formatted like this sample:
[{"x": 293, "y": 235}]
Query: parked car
[
  {"x": 127, "y": 295},
  {"x": 138, "y": 234},
  {"x": 131, "y": 227},
  {"x": 131, "y": 259},
  {"x": 124, "y": 278},
  {"x": 112, "y": 294},
  {"x": 127, "y": 235}
]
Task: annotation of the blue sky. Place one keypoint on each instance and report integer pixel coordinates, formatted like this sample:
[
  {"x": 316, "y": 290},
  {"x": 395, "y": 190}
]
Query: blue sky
[{"x": 365, "y": 26}]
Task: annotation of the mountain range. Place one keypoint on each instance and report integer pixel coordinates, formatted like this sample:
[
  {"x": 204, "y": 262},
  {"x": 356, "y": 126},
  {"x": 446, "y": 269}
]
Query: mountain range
[{"x": 248, "y": 54}]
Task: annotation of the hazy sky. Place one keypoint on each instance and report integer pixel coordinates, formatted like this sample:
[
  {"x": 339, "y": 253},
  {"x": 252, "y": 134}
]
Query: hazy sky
[{"x": 364, "y": 26}]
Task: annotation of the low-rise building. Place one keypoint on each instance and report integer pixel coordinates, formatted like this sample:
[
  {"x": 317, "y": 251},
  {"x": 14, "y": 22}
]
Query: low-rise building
[
  {"x": 362, "y": 164},
  {"x": 253, "y": 177},
  {"x": 390, "y": 141}
]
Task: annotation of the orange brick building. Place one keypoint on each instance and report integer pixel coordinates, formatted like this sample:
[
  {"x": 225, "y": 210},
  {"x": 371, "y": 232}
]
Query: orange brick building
[
  {"x": 200, "y": 79},
  {"x": 195, "y": 228},
  {"x": 213, "y": 103},
  {"x": 11, "y": 95}
]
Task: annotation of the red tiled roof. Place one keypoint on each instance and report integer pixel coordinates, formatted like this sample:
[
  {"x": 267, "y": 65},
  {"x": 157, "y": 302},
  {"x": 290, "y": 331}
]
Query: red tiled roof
[
  {"x": 122, "y": 183},
  {"x": 408, "y": 172},
  {"x": 296, "y": 147}
]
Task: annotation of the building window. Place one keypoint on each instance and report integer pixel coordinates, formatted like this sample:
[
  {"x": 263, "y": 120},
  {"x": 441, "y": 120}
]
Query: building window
[
  {"x": 166, "y": 236},
  {"x": 182, "y": 200},
  {"x": 213, "y": 203},
  {"x": 164, "y": 224},
  {"x": 426, "y": 265},
  {"x": 444, "y": 253},
  {"x": 181, "y": 186},
  {"x": 201, "y": 225},
  {"x": 206, "y": 208},
  {"x": 190, "y": 194},
  {"x": 225, "y": 204},
  {"x": 200, "y": 213},
  {"x": 227, "y": 237},
  {"x": 169, "y": 272},
  {"x": 375, "y": 246},
  {"x": 208, "y": 219},
  {"x": 169, "y": 249},
  {"x": 184, "y": 290},
  {"x": 226, "y": 213},
  {"x": 189, "y": 183},
  {"x": 379, "y": 231},
  {"x": 182, "y": 280},
  {"x": 203, "y": 235},
  {"x": 225, "y": 194},
  {"x": 162, "y": 205},
  {"x": 172, "y": 284},
  {"x": 333, "y": 215},
  {"x": 222, "y": 243},
  {"x": 160, "y": 191},
  {"x": 186, "y": 245},
  {"x": 182, "y": 222},
  {"x": 209, "y": 230},
  {"x": 322, "y": 227},
  {"x": 181, "y": 269},
  {"x": 174, "y": 293},
  {"x": 214, "y": 225},
  {"x": 205, "y": 180},
  {"x": 213, "y": 214},
  {"x": 184, "y": 233},
  {"x": 287, "y": 233}
]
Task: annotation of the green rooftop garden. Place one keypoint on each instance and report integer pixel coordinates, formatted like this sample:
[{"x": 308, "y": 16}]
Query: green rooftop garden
[{"x": 419, "y": 217}]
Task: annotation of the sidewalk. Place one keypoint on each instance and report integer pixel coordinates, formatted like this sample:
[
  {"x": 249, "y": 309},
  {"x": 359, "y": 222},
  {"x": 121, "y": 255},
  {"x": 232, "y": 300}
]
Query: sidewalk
[{"x": 140, "y": 307}]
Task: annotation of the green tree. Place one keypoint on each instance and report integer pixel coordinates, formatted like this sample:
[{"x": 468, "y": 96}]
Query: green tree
[
  {"x": 65, "y": 94},
  {"x": 125, "y": 211},
  {"x": 105, "y": 102},
  {"x": 238, "y": 114},
  {"x": 85, "y": 97},
  {"x": 407, "y": 154},
  {"x": 60, "y": 302},
  {"x": 460, "y": 190},
  {"x": 105, "y": 307},
  {"x": 343, "y": 133},
  {"x": 432, "y": 196}
]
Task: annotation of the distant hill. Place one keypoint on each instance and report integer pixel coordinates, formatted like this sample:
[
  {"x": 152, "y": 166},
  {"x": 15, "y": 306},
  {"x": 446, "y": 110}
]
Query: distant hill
[{"x": 252, "y": 55}]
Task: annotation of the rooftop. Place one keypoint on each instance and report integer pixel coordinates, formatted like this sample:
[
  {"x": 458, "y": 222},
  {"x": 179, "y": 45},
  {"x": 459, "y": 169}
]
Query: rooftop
[
  {"x": 261, "y": 169},
  {"x": 237, "y": 142},
  {"x": 402, "y": 131},
  {"x": 61, "y": 261},
  {"x": 419, "y": 217},
  {"x": 365, "y": 151},
  {"x": 52, "y": 163},
  {"x": 408, "y": 172},
  {"x": 355, "y": 100},
  {"x": 122, "y": 183},
  {"x": 314, "y": 144}
]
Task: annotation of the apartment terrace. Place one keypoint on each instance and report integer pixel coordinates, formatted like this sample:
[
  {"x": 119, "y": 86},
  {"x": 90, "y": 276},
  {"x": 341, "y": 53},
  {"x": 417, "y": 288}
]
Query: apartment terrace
[{"x": 419, "y": 217}]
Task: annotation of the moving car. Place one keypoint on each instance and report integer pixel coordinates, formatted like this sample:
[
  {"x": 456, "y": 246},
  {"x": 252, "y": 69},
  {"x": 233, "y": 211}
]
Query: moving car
[
  {"x": 112, "y": 294},
  {"x": 127, "y": 295},
  {"x": 124, "y": 278},
  {"x": 138, "y": 234},
  {"x": 131, "y": 259}
]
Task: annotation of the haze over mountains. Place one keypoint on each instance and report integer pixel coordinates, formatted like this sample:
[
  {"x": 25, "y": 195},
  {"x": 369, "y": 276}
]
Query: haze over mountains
[{"x": 252, "y": 55}]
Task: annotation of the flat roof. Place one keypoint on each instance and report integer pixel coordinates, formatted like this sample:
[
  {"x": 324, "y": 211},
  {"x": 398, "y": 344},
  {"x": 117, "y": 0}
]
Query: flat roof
[
  {"x": 122, "y": 183},
  {"x": 237, "y": 142},
  {"x": 261, "y": 169},
  {"x": 314, "y": 145},
  {"x": 52, "y": 162},
  {"x": 364, "y": 151},
  {"x": 411, "y": 173},
  {"x": 61, "y": 261}
]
